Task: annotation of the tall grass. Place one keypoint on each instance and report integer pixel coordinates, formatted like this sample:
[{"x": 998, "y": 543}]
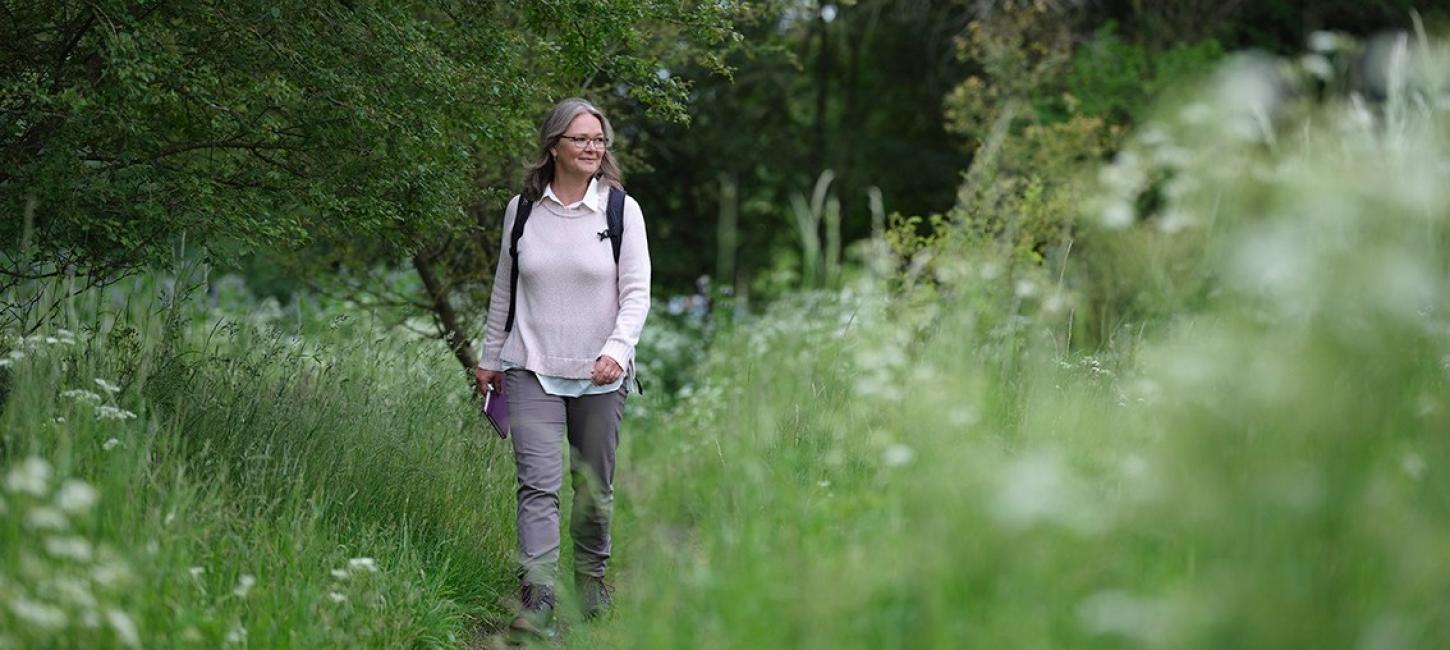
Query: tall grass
[
  {"x": 179, "y": 479},
  {"x": 1258, "y": 460}
]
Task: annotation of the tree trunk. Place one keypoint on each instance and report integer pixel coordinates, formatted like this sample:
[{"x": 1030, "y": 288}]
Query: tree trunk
[
  {"x": 823, "y": 90},
  {"x": 453, "y": 334}
]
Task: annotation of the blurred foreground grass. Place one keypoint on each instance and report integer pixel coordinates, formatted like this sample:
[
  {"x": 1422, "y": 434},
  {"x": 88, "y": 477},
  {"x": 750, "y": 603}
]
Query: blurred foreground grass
[{"x": 1257, "y": 458}]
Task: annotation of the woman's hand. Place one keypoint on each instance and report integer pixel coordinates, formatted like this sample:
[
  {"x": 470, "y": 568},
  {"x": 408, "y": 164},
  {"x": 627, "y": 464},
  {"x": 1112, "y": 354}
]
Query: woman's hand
[
  {"x": 606, "y": 370},
  {"x": 487, "y": 379}
]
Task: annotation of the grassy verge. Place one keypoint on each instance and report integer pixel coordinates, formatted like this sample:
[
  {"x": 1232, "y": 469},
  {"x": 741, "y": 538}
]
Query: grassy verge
[{"x": 169, "y": 484}]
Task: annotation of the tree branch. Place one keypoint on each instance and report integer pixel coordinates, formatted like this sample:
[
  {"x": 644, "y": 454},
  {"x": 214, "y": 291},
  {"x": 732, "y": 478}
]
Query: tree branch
[{"x": 443, "y": 311}]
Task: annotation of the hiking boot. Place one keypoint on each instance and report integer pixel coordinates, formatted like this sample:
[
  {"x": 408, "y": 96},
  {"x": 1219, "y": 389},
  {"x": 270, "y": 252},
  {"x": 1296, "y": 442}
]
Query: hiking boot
[
  {"x": 595, "y": 595},
  {"x": 536, "y": 618}
]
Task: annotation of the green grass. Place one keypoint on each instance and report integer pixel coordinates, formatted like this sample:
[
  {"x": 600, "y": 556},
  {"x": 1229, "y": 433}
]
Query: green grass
[
  {"x": 252, "y": 455},
  {"x": 1260, "y": 463}
]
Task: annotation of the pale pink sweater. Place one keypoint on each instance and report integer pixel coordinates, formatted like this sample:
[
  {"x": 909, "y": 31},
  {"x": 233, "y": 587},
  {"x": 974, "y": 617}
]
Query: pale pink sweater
[{"x": 574, "y": 302}]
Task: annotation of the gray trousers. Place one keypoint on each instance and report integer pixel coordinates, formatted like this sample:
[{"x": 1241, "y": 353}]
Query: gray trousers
[{"x": 538, "y": 424}]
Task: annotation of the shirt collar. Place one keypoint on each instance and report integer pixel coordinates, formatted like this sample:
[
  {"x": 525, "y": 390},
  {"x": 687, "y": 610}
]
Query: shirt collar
[{"x": 590, "y": 200}]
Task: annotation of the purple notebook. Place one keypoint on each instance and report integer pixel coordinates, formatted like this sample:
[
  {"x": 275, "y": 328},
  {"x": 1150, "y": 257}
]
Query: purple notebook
[{"x": 496, "y": 409}]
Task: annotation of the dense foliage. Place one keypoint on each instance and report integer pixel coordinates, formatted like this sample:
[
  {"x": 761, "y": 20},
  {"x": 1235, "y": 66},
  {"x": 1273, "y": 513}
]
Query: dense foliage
[{"x": 353, "y": 134}]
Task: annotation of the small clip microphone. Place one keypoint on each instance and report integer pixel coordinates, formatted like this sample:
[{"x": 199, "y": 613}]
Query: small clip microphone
[{"x": 603, "y": 235}]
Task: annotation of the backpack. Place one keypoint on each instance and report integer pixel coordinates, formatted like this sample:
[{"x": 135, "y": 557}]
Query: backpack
[{"x": 613, "y": 216}]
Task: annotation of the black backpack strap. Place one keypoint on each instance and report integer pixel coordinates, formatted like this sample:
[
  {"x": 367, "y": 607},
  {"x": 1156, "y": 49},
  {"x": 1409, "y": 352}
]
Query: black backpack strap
[
  {"x": 615, "y": 215},
  {"x": 520, "y": 217}
]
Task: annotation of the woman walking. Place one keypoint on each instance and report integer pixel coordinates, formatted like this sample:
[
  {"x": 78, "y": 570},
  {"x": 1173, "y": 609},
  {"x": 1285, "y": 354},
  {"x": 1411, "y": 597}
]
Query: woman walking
[{"x": 569, "y": 300}]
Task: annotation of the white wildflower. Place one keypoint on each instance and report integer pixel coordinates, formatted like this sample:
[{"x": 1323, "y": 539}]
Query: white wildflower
[
  {"x": 362, "y": 564},
  {"x": 990, "y": 271},
  {"x": 244, "y": 585},
  {"x": 1115, "y": 612},
  {"x": 336, "y": 596},
  {"x": 16, "y": 355},
  {"x": 76, "y": 592},
  {"x": 76, "y": 497},
  {"x": 69, "y": 547},
  {"x": 1172, "y": 156},
  {"x": 1317, "y": 65},
  {"x": 1153, "y": 135},
  {"x": 1055, "y": 303},
  {"x": 107, "y": 412},
  {"x": 196, "y": 572},
  {"x": 339, "y": 574},
  {"x": 31, "y": 476},
  {"x": 1249, "y": 84},
  {"x": 1032, "y": 488},
  {"x": 107, "y": 386},
  {"x": 110, "y": 443},
  {"x": 1125, "y": 175},
  {"x": 1025, "y": 288},
  {"x": 823, "y": 483},
  {"x": 1117, "y": 215},
  {"x": 1135, "y": 467},
  {"x": 44, "y": 518},
  {"x": 1413, "y": 465},
  {"x": 963, "y": 416},
  {"x": 1174, "y": 221},
  {"x": 897, "y": 455},
  {"x": 60, "y": 419},
  {"x": 81, "y": 395},
  {"x": 5, "y": 362},
  {"x": 238, "y": 634},
  {"x": 109, "y": 574},
  {"x": 51, "y": 340},
  {"x": 1323, "y": 41},
  {"x": 1273, "y": 258},
  {"x": 38, "y": 614},
  {"x": 125, "y": 628}
]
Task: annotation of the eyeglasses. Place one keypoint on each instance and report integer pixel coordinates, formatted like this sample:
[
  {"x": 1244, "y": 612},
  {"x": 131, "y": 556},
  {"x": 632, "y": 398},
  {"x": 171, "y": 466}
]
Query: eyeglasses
[{"x": 583, "y": 142}]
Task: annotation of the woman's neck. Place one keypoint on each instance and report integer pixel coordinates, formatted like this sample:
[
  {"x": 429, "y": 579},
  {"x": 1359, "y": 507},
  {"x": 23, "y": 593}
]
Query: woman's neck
[{"x": 569, "y": 188}]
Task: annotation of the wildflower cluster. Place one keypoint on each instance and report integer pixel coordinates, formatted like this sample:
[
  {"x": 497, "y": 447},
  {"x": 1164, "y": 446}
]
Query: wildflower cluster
[
  {"x": 95, "y": 401},
  {"x": 67, "y": 586},
  {"x": 21, "y": 347}
]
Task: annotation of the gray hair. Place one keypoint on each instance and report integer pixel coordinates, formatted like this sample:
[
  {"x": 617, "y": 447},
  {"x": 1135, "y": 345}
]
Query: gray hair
[{"x": 540, "y": 171}]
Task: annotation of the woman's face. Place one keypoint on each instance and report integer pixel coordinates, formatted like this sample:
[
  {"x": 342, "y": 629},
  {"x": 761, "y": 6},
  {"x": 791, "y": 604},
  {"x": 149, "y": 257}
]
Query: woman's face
[{"x": 575, "y": 159}]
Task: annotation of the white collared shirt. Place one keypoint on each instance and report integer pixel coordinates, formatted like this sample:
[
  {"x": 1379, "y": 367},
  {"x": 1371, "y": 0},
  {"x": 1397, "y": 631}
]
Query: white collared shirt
[{"x": 590, "y": 200}]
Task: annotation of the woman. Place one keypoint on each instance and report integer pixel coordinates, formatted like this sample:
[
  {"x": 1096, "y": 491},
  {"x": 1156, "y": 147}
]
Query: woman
[{"x": 562, "y": 349}]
